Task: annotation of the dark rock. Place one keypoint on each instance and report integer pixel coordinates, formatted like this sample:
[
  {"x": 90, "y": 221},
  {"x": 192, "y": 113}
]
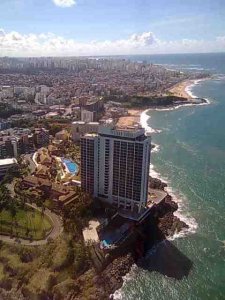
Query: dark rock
[{"x": 155, "y": 183}]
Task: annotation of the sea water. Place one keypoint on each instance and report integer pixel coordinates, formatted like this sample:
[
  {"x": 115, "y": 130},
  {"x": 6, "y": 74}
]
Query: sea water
[{"x": 190, "y": 156}]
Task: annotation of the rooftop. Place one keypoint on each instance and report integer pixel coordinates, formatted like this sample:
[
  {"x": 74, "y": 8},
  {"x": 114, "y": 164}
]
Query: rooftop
[
  {"x": 7, "y": 161},
  {"x": 88, "y": 135}
]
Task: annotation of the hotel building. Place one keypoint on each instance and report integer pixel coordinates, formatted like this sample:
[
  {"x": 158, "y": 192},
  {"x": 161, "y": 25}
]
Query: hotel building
[{"x": 115, "y": 166}]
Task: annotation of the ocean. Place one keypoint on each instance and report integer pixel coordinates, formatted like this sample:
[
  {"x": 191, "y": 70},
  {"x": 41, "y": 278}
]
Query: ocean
[{"x": 190, "y": 157}]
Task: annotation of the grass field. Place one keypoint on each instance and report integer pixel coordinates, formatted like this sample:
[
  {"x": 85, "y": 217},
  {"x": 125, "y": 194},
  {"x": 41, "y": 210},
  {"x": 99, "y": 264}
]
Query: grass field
[{"x": 29, "y": 224}]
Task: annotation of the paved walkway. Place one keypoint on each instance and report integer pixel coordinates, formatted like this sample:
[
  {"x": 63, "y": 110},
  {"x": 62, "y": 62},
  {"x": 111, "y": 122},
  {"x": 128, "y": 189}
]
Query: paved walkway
[
  {"x": 55, "y": 232},
  {"x": 90, "y": 232}
]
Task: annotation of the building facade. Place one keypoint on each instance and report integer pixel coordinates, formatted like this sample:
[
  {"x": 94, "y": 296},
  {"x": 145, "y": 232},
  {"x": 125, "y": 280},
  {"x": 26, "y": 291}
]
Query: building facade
[
  {"x": 115, "y": 166},
  {"x": 80, "y": 128},
  {"x": 88, "y": 116},
  {"x": 5, "y": 164},
  {"x": 41, "y": 137}
]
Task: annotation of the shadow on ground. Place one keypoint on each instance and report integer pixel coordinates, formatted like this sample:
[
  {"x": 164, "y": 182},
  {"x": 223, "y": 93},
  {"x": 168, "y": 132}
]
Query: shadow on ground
[{"x": 166, "y": 259}]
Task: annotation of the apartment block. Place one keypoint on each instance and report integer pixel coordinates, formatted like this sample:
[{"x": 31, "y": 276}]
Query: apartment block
[
  {"x": 80, "y": 128},
  {"x": 115, "y": 166}
]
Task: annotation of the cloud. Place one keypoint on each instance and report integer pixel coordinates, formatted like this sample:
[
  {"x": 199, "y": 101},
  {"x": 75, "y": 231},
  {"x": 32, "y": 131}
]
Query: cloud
[
  {"x": 2, "y": 32},
  {"x": 64, "y": 3},
  {"x": 48, "y": 44}
]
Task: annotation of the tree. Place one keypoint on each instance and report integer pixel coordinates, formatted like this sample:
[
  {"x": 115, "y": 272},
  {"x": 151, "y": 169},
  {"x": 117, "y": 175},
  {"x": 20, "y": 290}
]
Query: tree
[
  {"x": 5, "y": 197},
  {"x": 77, "y": 214},
  {"x": 7, "y": 202}
]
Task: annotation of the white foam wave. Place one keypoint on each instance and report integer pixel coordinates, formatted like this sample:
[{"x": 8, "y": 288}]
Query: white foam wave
[
  {"x": 189, "y": 88},
  {"x": 145, "y": 116},
  {"x": 155, "y": 149},
  {"x": 144, "y": 123},
  {"x": 118, "y": 295},
  {"x": 181, "y": 105},
  {"x": 182, "y": 212}
]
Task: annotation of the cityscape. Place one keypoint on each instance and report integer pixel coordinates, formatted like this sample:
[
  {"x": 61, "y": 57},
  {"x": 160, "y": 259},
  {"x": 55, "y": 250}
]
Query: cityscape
[
  {"x": 112, "y": 150},
  {"x": 73, "y": 150}
]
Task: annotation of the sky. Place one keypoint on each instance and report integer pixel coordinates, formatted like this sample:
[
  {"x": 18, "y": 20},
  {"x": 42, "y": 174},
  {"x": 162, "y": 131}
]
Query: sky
[{"x": 110, "y": 27}]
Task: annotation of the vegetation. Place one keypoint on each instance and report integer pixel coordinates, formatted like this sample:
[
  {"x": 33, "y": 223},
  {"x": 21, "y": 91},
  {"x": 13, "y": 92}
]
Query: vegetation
[
  {"x": 24, "y": 223},
  {"x": 23, "y": 123},
  {"x": 17, "y": 219},
  {"x": 72, "y": 150},
  {"x": 144, "y": 101},
  {"x": 16, "y": 171},
  {"x": 77, "y": 214},
  {"x": 56, "y": 126},
  {"x": 44, "y": 272},
  {"x": 57, "y": 269}
]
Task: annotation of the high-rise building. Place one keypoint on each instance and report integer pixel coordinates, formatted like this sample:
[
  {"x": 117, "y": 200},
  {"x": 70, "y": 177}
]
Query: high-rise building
[
  {"x": 41, "y": 137},
  {"x": 115, "y": 166}
]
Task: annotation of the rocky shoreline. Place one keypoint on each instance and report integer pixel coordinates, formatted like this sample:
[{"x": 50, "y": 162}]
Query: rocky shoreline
[{"x": 162, "y": 224}]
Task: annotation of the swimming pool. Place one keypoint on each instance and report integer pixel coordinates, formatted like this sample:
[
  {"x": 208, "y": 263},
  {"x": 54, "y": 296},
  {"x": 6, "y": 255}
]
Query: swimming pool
[{"x": 71, "y": 166}]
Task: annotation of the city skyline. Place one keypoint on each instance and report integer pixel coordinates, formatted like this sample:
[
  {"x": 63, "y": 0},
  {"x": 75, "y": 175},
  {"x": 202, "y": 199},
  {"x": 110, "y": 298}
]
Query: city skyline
[{"x": 87, "y": 27}]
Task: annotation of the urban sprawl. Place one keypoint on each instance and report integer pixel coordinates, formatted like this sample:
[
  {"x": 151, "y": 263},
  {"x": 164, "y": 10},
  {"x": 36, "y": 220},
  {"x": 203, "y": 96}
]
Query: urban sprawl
[{"x": 65, "y": 151}]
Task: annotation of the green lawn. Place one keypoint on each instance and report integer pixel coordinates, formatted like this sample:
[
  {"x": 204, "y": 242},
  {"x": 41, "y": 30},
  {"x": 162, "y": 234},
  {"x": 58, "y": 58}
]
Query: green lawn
[{"x": 27, "y": 223}]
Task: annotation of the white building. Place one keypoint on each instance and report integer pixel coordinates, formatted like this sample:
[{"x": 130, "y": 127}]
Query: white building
[
  {"x": 87, "y": 116},
  {"x": 80, "y": 128},
  {"x": 5, "y": 164},
  {"x": 115, "y": 166}
]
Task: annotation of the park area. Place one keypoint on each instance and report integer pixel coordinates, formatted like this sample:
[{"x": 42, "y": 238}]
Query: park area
[{"x": 27, "y": 223}]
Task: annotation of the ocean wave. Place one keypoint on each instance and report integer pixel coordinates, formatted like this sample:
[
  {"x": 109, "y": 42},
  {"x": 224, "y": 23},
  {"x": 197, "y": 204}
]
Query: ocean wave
[
  {"x": 194, "y": 68},
  {"x": 155, "y": 149},
  {"x": 182, "y": 212},
  {"x": 184, "y": 105},
  {"x": 143, "y": 121},
  {"x": 145, "y": 116},
  {"x": 118, "y": 295},
  {"x": 189, "y": 89}
]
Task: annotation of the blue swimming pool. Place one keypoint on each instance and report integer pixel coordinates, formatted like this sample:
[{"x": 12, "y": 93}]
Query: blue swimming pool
[{"x": 71, "y": 166}]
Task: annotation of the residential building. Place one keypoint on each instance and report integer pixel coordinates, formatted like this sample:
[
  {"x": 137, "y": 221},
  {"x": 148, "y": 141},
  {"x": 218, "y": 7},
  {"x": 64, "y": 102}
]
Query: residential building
[
  {"x": 14, "y": 142},
  {"x": 4, "y": 124},
  {"x": 41, "y": 137},
  {"x": 80, "y": 128},
  {"x": 115, "y": 166},
  {"x": 62, "y": 135},
  {"x": 88, "y": 116},
  {"x": 5, "y": 164}
]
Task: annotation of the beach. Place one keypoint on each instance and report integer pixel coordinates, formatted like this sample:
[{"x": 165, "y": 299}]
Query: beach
[
  {"x": 180, "y": 89},
  {"x": 132, "y": 118}
]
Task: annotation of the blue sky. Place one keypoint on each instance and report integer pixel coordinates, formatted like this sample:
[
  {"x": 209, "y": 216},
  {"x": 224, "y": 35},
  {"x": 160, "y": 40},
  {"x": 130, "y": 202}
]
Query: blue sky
[{"x": 122, "y": 27}]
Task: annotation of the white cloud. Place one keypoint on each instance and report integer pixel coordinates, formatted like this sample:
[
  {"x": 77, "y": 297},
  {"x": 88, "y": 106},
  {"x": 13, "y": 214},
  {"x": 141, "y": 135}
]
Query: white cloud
[
  {"x": 48, "y": 44},
  {"x": 64, "y": 3},
  {"x": 2, "y": 32}
]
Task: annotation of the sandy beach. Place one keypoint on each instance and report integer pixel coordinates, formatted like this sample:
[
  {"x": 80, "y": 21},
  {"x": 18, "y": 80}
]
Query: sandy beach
[
  {"x": 132, "y": 118},
  {"x": 179, "y": 89}
]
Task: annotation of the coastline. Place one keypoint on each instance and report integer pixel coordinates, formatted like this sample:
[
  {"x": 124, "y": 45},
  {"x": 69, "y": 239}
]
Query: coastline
[
  {"x": 142, "y": 117},
  {"x": 182, "y": 224},
  {"x": 182, "y": 89}
]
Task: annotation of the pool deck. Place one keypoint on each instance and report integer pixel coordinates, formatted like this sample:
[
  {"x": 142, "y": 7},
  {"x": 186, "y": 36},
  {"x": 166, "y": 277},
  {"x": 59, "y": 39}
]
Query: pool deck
[{"x": 90, "y": 232}]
